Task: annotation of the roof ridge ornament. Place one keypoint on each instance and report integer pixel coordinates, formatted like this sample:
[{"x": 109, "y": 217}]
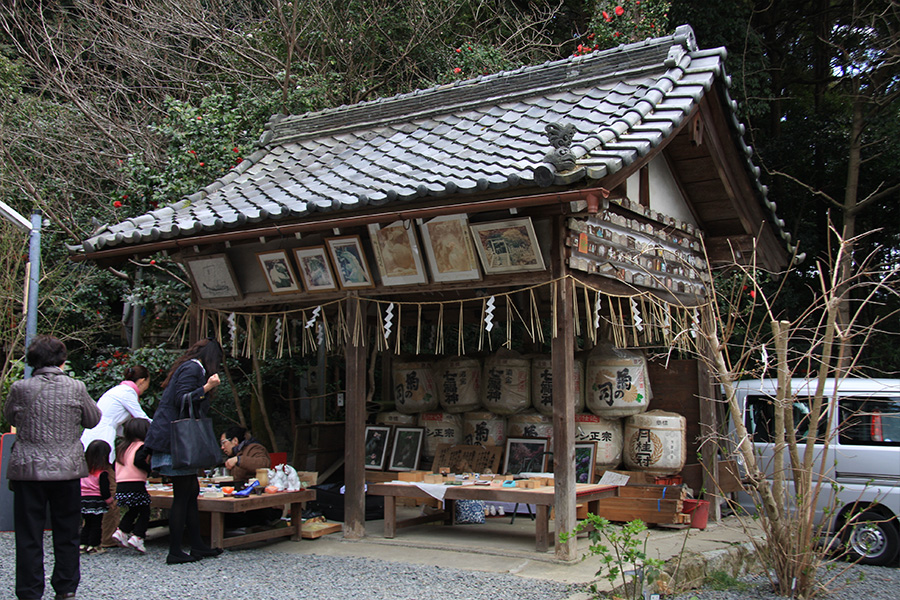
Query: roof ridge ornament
[{"x": 560, "y": 136}]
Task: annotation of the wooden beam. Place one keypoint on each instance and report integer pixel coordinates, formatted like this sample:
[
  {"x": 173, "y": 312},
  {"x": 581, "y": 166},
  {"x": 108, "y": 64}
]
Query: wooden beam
[
  {"x": 563, "y": 361},
  {"x": 354, "y": 428}
]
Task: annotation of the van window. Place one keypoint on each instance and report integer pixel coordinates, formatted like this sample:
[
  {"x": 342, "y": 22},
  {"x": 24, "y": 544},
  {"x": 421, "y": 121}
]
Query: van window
[
  {"x": 760, "y": 418},
  {"x": 870, "y": 421}
]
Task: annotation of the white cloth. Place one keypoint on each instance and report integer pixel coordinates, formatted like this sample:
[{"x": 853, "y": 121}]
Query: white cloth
[
  {"x": 117, "y": 404},
  {"x": 435, "y": 490}
]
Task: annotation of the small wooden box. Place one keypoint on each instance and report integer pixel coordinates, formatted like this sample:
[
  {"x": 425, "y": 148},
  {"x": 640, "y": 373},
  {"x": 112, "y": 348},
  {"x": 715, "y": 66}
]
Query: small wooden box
[
  {"x": 433, "y": 478},
  {"x": 581, "y": 511},
  {"x": 528, "y": 484},
  {"x": 411, "y": 475}
]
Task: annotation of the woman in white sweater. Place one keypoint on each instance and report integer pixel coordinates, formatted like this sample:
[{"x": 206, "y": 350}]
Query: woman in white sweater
[{"x": 118, "y": 404}]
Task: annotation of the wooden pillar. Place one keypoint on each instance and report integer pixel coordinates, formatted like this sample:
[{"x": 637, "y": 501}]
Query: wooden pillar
[
  {"x": 194, "y": 317},
  {"x": 354, "y": 427},
  {"x": 709, "y": 451},
  {"x": 563, "y": 361}
]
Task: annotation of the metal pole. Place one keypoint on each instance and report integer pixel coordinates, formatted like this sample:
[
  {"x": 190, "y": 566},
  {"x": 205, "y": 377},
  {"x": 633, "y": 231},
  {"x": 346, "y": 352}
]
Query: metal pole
[{"x": 34, "y": 270}]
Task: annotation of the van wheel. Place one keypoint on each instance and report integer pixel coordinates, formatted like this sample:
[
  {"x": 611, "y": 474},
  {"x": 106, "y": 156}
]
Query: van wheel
[{"x": 872, "y": 539}]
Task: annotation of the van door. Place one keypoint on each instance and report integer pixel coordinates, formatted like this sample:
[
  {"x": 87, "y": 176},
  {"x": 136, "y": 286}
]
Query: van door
[{"x": 868, "y": 452}]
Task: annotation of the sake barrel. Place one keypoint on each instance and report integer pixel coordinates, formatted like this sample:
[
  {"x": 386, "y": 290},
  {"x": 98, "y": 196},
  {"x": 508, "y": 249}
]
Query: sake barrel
[
  {"x": 414, "y": 387},
  {"x": 459, "y": 384},
  {"x": 484, "y": 427},
  {"x": 440, "y": 428},
  {"x": 395, "y": 417},
  {"x": 617, "y": 384},
  {"x": 608, "y": 435},
  {"x": 529, "y": 424},
  {"x": 655, "y": 442},
  {"x": 542, "y": 385},
  {"x": 507, "y": 385}
]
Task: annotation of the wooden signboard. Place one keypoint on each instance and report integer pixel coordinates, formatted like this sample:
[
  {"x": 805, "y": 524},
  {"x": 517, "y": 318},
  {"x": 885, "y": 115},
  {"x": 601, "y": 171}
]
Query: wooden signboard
[{"x": 468, "y": 459}]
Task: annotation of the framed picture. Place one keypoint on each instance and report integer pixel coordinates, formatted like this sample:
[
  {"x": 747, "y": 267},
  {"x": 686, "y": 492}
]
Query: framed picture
[
  {"x": 397, "y": 253},
  {"x": 376, "y": 446},
  {"x": 448, "y": 246},
  {"x": 213, "y": 276},
  {"x": 350, "y": 262},
  {"x": 525, "y": 455},
  {"x": 277, "y": 269},
  {"x": 315, "y": 269},
  {"x": 406, "y": 449},
  {"x": 585, "y": 458},
  {"x": 507, "y": 246}
]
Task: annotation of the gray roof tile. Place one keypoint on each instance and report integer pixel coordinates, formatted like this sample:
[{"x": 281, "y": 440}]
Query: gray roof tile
[{"x": 486, "y": 133}]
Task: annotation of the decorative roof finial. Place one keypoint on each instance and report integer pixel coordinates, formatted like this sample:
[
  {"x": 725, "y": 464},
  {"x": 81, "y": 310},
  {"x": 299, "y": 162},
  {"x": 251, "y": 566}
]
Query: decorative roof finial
[{"x": 560, "y": 138}]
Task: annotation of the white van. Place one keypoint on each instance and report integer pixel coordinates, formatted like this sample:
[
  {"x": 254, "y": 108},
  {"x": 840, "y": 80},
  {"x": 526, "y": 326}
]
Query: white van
[{"x": 863, "y": 456}]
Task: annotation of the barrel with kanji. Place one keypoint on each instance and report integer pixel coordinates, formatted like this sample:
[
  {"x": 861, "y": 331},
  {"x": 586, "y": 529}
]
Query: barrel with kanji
[{"x": 655, "y": 442}]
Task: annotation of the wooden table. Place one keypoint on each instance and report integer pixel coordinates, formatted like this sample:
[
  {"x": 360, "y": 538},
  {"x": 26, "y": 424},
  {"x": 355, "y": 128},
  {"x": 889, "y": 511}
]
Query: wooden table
[
  {"x": 541, "y": 497},
  {"x": 217, "y": 507}
]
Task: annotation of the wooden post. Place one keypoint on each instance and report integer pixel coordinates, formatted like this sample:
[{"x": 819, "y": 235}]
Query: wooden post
[
  {"x": 354, "y": 427},
  {"x": 563, "y": 361},
  {"x": 709, "y": 450}
]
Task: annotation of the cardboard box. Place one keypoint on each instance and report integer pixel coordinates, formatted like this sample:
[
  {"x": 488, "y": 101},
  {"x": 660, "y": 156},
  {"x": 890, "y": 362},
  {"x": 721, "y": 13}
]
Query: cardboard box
[{"x": 309, "y": 478}]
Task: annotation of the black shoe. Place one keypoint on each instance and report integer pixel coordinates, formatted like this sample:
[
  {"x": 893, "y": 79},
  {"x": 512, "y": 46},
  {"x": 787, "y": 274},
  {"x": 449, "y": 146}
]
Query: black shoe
[
  {"x": 179, "y": 559},
  {"x": 206, "y": 552},
  {"x": 66, "y": 596}
]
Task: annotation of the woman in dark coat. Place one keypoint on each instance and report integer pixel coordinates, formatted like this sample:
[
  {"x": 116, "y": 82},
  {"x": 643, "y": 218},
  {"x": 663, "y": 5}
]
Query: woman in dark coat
[
  {"x": 192, "y": 377},
  {"x": 46, "y": 466}
]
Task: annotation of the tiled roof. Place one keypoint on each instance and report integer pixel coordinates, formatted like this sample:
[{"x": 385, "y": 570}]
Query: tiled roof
[{"x": 481, "y": 134}]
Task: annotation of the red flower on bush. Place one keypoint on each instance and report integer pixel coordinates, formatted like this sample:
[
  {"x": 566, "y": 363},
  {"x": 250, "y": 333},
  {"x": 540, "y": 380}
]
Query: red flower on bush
[
  {"x": 457, "y": 70},
  {"x": 606, "y": 16},
  {"x": 620, "y": 11},
  {"x": 117, "y": 204}
]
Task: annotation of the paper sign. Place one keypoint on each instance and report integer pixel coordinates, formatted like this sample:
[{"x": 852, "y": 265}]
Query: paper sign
[{"x": 611, "y": 478}]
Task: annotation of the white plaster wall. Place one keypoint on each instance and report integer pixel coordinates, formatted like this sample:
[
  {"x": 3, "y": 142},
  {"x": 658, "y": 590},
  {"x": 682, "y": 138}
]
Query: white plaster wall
[{"x": 665, "y": 197}]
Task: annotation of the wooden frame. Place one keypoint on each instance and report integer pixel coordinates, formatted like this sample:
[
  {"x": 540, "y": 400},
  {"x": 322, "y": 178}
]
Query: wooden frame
[
  {"x": 213, "y": 276},
  {"x": 397, "y": 253},
  {"x": 276, "y": 266},
  {"x": 507, "y": 246},
  {"x": 585, "y": 460},
  {"x": 315, "y": 269},
  {"x": 525, "y": 455},
  {"x": 376, "y": 446},
  {"x": 449, "y": 248},
  {"x": 406, "y": 448},
  {"x": 350, "y": 262}
]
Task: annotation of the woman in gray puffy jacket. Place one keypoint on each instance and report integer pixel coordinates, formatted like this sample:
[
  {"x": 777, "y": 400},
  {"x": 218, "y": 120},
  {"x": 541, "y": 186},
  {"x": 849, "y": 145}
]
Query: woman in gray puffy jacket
[{"x": 46, "y": 465}]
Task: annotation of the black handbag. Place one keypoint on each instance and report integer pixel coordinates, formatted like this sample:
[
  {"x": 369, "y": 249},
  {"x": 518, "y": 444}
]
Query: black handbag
[{"x": 194, "y": 444}]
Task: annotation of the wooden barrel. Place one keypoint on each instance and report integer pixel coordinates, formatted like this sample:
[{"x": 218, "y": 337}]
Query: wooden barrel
[
  {"x": 617, "y": 384},
  {"x": 655, "y": 442},
  {"x": 485, "y": 428},
  {"x": 606, "y": 433},
  {"x": 542, "y": 385},
  {"x": 459, "y": 384},
  {"x": 440, "y": 428},
  {"x": 414, "y": 387},
  {"x": 506, "y": 387}
]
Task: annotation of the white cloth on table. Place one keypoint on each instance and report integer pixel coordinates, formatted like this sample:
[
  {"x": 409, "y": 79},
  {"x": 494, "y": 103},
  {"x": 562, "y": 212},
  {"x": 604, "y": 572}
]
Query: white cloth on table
[{"x": 435, "y": 490}]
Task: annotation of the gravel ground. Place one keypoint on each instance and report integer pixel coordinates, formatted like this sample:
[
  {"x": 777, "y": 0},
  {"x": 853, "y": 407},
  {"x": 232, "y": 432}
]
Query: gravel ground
[
  {"x": 858, "y": 582},
  {"x": 259, "y": 574}
]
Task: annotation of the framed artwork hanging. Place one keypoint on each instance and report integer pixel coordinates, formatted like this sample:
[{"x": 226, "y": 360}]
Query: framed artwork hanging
[
  {"x": 585, "y": 459},
  {"x": 406, "y": 449},
  {"x": 525, "y": 455},
  {"x": 279, "y": 275},
  {"x": 397, "y": 253},
  {"x": 507, "y": 246},
  {"x": 448, "y": 246},
  {"x": 376, "y": 446},
  {"x": 350, "y": 262},
  {"x": 315, "y": 269},
  {"x": 213, "y": 277}
]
